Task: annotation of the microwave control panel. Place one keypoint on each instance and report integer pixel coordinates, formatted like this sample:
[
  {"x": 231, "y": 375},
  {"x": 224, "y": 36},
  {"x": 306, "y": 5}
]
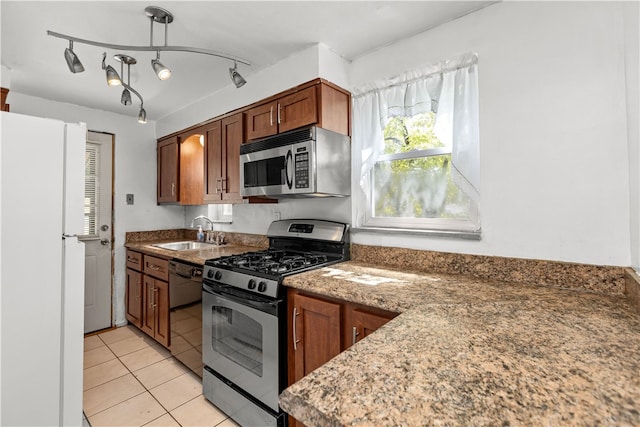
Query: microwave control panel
[{"x": 302, "y": 168}]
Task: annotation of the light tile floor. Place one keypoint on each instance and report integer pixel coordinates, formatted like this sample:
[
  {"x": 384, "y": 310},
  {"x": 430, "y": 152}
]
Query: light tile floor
[{"x": 131, "y": 380}]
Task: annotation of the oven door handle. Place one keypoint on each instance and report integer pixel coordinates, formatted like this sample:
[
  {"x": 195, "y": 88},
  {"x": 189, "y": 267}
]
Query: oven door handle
[{"x": 258, "y": 305}]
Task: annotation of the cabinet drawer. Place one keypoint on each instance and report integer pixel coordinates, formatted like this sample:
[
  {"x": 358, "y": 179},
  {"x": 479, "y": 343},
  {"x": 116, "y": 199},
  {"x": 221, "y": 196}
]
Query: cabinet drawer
[
  {"x": 134, "y": 260},
  {"x": 156, "y": 267}
]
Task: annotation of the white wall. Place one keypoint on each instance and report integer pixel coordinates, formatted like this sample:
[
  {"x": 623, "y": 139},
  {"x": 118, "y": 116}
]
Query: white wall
[
  {"x": 632, "y": 49},
  {"x": 291, "y": 71},
  {"x": 135, "y": 172},
  {"x": 553, "y": 128}
]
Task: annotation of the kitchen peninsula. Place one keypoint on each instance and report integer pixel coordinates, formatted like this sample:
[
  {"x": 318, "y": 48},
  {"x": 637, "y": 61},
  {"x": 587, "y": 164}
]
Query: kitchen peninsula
[{"x": 468, "y": 351}]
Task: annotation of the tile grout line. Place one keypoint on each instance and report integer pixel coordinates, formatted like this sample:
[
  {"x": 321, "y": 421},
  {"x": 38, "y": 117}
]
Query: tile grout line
[{"x": 147, "y": 390}]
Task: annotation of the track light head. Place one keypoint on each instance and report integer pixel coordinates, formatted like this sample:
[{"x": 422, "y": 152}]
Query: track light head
[
  {"x": 126, "y": 97},
  {"x": 161, "y": 71},
  {"x": 113, "y": 79},
  {"x": 142, "y": 116},
  {"x": 75, "y": 66},
  {"x": 236, "y": 78}
]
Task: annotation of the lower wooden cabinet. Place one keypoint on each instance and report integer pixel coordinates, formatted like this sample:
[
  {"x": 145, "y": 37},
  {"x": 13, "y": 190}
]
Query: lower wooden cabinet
[
  {"x": 315, "y": 333},
  {"x": 155, "y": 311},
  {"x": 320, "y": 328},
  {"x": 147, "y": 296},
  {"x": 133, "y": 297}
]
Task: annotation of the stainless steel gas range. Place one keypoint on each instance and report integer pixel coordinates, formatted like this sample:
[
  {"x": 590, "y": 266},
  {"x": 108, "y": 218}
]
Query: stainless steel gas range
[{"x": 244, "y": 317}]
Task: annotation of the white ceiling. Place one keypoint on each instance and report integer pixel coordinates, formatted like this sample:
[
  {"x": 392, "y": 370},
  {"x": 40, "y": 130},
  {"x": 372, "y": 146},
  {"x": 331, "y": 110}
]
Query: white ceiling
[{"x": 264, "y": 32}]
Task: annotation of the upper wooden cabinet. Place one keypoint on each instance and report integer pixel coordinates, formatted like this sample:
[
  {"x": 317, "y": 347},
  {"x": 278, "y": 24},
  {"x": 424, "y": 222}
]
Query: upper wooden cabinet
[
  {"x": 168, "y": 172},
  {"x": 191, "y": 167},
  {"x": 201, "y": 164},
  {"x": 317, "y": 102},
  {"x": 222, "y": 160}
]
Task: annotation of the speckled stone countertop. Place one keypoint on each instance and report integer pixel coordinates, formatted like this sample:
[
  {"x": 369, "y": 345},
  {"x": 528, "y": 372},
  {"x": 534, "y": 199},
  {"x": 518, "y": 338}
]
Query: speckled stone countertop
[
  {"x": 195, "y": 256},
  {"x": 468, "y": 351}
]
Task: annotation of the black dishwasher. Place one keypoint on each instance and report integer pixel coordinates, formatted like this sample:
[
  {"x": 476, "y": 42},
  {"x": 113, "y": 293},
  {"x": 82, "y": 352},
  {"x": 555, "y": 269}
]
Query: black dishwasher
[{"x": 185, "y": 317}]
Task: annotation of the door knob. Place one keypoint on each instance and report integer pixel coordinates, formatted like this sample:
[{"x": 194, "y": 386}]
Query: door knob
[
  {"x": 104, "y": 242},
  {"x": 104, "y": 227}
]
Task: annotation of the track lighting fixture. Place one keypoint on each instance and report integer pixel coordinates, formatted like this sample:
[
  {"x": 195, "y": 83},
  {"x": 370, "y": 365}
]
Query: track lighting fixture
[
  {"x": 155, "y": 15},
  {"x": 75, "y": 66},
  {"x": 125, "y": 59},
  {"x": 142, "y": 115},
  {"x": 236, "y": 78},
  {"x": 161, "y": 71}
]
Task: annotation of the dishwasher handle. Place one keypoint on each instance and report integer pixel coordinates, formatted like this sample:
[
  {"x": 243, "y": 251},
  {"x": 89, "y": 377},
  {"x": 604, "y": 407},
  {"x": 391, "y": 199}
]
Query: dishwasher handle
[{"x": 187, "y": 271}]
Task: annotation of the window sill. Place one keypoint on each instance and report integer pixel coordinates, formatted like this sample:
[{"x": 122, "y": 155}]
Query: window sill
[{"x": 465, "y": 235}]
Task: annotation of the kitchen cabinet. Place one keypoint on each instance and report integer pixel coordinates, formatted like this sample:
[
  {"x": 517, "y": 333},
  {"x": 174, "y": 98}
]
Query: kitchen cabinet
[
  {"x": 133, "y": 297},
  {"x": 155, "y": 312},
  {"x": 168, "y": 170},
  {"x": 317, "y": 102},
  {"x": 320, "y": 328},
  {"x": 147, "y": 295},
  {"x": 315, "y": 335},
  {"x": 191, "y": 167},
  {"x": 222, "y": 159}
]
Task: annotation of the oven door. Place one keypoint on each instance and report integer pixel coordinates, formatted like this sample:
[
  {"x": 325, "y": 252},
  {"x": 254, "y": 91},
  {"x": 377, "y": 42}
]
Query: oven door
[{"x": 240, "y": 340}]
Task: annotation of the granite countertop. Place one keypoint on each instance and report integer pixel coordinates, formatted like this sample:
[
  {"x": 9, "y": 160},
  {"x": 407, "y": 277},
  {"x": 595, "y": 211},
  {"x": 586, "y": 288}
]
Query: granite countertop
[
  {"x": 467, "y": 351},
  {"x": 195, "y": 256}
]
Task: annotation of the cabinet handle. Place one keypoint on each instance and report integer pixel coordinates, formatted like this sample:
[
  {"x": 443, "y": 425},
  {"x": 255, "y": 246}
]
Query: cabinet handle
[
  {"x": 295, "y": 339},
  {"x": 133, "y": 260},
  {"x": 271, "y": 116},
  {"x": 173, "y": 188},
  {"x": 154, "y": 267},
  {"x": 279, "y": 106},
  {"x": 219, "y": 185},
  {"x": 354, "y": 335},
  {"x": 153, "y": 292}
]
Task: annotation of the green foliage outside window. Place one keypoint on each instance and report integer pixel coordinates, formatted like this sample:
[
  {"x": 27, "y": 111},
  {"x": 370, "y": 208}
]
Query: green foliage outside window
[{"x": 419, "y": 187}]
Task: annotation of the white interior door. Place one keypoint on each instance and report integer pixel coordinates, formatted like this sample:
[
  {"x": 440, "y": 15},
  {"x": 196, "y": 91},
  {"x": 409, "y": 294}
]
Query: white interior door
[{"x": 98, "y": 231}]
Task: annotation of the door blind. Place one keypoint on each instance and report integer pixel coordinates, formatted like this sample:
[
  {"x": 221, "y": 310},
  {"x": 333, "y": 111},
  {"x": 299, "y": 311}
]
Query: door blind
[{"x": 91, "y": 189}]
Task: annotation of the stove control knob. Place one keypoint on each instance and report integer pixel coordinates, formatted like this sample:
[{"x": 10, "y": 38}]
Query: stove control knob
[
  {"x": 262, "y": 286},
  {"x": 252, "y": 284},
  {"x": 218, "y": 275},
  {"x": 210, "y": 274}
]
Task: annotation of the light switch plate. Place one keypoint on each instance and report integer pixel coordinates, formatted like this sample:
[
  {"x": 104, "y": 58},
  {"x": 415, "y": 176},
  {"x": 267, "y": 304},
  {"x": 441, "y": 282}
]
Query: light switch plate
[{"x": 129, "y": 199}]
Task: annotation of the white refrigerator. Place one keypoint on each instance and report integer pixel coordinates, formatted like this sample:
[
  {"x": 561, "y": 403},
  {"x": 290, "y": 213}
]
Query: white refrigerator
[{"x": 41, "y": 270}]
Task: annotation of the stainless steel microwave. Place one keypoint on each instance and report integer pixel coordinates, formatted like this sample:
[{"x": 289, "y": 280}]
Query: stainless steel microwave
[{"x": 306, "y": 162}]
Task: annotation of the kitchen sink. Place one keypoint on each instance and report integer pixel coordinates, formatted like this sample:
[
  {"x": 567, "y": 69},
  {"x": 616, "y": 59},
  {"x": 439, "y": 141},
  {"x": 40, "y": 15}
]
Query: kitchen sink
[{"x": 183, "y": 246}]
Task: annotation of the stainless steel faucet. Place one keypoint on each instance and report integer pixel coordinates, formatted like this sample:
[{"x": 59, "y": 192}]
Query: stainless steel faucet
[{"x": 201, "y": 217}]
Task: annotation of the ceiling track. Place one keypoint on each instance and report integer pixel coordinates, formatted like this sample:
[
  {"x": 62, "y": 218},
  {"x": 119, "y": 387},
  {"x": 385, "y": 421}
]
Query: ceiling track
[{"x": 150, "y": 48}]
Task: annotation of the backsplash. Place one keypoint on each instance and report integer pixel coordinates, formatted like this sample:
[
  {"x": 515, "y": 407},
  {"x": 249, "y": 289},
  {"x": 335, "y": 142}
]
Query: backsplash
[
  {"x": 603, "y": 279},
  {"x": 256, "y": 240}
]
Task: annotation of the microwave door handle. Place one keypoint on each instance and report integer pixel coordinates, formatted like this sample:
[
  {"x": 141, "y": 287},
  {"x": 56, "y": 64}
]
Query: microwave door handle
[{"x": 288, "y": 160}]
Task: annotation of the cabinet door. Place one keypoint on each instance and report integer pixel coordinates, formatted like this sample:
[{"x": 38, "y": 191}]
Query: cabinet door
[
  {"x": 148, "y": 306},
  {"x": 364, "y": 323},
  {"x": 232, "y": 137},
  {"x": 315, "y": 333},
  {"x": 262, "y": 121},
  {"x": 133, "y": 297},
  {"x": 191, "y": 168},
  {"x": 298, "y": 109},
  {"x": 161, "y": 302},
  {"x": 213, "y": 162},
  {"x": 168, "y": 171}
]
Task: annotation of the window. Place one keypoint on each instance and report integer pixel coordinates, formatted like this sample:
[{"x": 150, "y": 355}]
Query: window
[{"x": 416, "y": 151}]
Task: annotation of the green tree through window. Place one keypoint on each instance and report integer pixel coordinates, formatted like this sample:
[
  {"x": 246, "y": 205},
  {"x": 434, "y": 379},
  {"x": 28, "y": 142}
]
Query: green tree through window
[{"x": 413, "y": 177}]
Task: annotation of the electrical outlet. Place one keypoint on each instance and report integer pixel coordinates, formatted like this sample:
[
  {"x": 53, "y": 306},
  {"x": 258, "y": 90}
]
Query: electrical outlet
[
  {"x": 276, "y": 216},
  {"x": 129, "y": 199}
]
